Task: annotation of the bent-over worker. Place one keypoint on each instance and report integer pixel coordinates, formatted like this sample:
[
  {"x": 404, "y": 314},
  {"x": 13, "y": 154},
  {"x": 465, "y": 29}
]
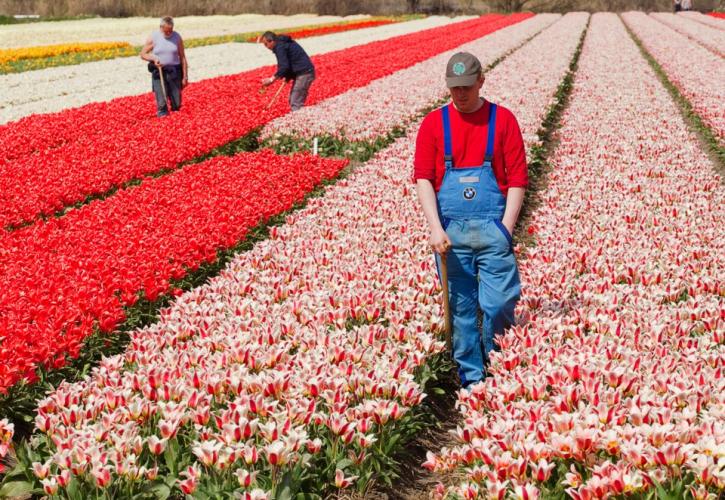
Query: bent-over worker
[{"x": 293, "y": 63}]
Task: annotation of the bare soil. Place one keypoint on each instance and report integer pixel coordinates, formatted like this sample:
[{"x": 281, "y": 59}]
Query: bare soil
[{"x": 416, "y": 482}]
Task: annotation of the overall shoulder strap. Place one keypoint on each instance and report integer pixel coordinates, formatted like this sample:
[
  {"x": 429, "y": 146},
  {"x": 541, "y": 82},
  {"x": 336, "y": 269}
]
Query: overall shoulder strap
[
  {"x": 447, "y": 148},
  {"x": 488, "y": 159}
]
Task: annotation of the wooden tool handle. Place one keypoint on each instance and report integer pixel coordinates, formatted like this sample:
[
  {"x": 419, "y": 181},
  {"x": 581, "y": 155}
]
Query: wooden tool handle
[{"x": 446, "y": 302}]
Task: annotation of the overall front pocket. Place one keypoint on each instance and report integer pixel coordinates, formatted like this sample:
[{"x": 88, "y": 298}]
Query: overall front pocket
[{"x": 503, "y": 230}]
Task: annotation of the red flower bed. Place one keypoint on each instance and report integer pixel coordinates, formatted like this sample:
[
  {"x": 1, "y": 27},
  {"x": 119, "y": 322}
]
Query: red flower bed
[
  {"x": 326, "y": 30},
  {"x": 50, "y": 161},
  {"x": 60, "y": 278},
  {"x": 330, "y": 28},
  {"x": 719, "y": 15}
]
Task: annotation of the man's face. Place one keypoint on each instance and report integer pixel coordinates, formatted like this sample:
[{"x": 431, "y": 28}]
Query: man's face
[
  {"x": 269, "y": 43},
  {"x": 466, "y": 98},
  {"x": 166, "y": 29}
]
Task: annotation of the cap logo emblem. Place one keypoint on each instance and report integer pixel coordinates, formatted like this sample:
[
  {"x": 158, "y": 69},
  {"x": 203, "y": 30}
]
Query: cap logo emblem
[{"x": 459, "y": 68}]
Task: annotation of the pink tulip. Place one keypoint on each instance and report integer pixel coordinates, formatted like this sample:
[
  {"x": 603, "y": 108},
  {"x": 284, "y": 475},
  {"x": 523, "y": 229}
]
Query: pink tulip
[
  {"x": 541, "y": 471},
  {"x": 50, "y": 486},
  {"x": 246, "y": 479},
  {"x": 341, "y": 481},
  {"x": 156, "y": 445},
  {"x": 41, "y": 471}
]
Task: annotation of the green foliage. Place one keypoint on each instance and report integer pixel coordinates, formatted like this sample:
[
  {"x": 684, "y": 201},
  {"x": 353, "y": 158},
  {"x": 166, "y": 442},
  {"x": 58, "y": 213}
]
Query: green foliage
[{"x": 332, "y": 146}]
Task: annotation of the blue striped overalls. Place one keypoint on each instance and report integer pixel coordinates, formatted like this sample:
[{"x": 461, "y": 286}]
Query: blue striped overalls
[{"x": 482, "y": 268}]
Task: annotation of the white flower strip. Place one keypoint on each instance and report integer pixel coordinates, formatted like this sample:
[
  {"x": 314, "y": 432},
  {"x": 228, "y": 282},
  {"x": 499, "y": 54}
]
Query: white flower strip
[
  {"x": 526, "y": 81},
  {"x": 135, "y": 30},
  {"x": 340, "y": 116},
  {"x": 697, "y": 72},
  {"x": 63, "y": 87},
  {"x": 711, "y": 38},
  {"x": 704, "y": 19},
  {"x": 264, "y": 346},
  {"x": 397, "y": 98},
  {"x": 613, "y": 377}
]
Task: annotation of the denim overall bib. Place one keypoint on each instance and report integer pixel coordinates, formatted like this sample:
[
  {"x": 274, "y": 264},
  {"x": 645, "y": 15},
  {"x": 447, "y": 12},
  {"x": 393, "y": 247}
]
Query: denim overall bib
[{"x": 482, "y": 270}]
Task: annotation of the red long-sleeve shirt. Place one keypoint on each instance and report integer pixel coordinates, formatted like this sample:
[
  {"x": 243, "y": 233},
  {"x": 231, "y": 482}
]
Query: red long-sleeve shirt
[{"x": 469, "y": 132}]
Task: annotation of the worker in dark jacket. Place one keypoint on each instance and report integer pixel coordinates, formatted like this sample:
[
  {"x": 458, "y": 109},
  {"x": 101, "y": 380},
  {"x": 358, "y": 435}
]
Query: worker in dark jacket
[{"x": 293, "y": 63}]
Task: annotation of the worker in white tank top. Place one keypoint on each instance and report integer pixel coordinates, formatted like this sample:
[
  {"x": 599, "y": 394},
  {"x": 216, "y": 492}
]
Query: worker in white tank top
[{"x": 164, "y": 50}]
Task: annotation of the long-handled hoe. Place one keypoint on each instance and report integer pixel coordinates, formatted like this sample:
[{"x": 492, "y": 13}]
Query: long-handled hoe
[
  {"x": 163, "y": 89},
  {"x": 446, "y": 303},
  {"x": 276, "y": 94}
]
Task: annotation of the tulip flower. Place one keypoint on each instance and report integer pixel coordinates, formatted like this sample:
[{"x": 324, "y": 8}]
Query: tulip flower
[
  {"x": 102, "y": 476},
  {"x": 341, "y": 481},
  {"x": 207, "y": 452},
  {"x": 50, "y": 486},
  {"x": 41, "y": 471}
]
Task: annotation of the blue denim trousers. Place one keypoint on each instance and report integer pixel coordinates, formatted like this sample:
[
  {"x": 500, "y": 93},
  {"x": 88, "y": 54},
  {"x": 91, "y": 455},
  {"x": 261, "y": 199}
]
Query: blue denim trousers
[
  {"x": 482, "y": 273},
  {"x": 172, "y": 78}
]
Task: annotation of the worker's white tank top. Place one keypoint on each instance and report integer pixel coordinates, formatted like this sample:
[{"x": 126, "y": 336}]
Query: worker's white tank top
[{"x": 166, "y": 49}]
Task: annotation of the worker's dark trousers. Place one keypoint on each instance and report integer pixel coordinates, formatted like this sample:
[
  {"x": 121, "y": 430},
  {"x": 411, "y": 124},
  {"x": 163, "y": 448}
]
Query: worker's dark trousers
[
  {"x": 173, "y": 89},
  {"x": 300, "y": 88}
]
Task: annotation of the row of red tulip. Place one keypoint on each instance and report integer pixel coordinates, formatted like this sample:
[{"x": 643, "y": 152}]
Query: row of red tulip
[
  {"x": 50, "y": 161},
  {"x": 60, "y": 278},
  {"x": 329, "y": 28},
  {"x": 301, "y": 355},
  {"x": 612, "y": 383},
  {"x": 703, "y": 19}
]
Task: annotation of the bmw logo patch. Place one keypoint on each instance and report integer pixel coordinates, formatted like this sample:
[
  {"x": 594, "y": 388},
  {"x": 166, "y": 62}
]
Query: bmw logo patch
[{"x": 469, "y": 193}]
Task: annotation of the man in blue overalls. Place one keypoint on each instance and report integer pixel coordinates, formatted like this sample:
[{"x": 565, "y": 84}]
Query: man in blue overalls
[{"x": 471, "y": 175}]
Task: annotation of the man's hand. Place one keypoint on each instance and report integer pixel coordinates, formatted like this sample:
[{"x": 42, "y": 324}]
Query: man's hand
[
  {"x": 439, "y": 241},
  {"x": 509, "y": 227},
  {"x": 514, "y": 201},
  {"x": 157, "y": 62},
  {"x": 184, "y": 82},
  {"x": 268, "y": 81}
]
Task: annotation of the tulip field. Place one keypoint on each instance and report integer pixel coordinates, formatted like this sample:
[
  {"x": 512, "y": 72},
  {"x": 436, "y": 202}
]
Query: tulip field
[{"x": 294, "y": 322}]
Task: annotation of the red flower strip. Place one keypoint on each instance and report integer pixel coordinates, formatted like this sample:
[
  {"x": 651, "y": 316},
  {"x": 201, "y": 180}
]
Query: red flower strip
[
  {"x": 50, "y": 161},
  {"x": 331, "y": 28},
  {"x": 58, "y": 279}
]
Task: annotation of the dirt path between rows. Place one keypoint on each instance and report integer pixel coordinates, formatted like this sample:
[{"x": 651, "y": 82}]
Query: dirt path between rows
[{"x": 416, "y": 482}]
